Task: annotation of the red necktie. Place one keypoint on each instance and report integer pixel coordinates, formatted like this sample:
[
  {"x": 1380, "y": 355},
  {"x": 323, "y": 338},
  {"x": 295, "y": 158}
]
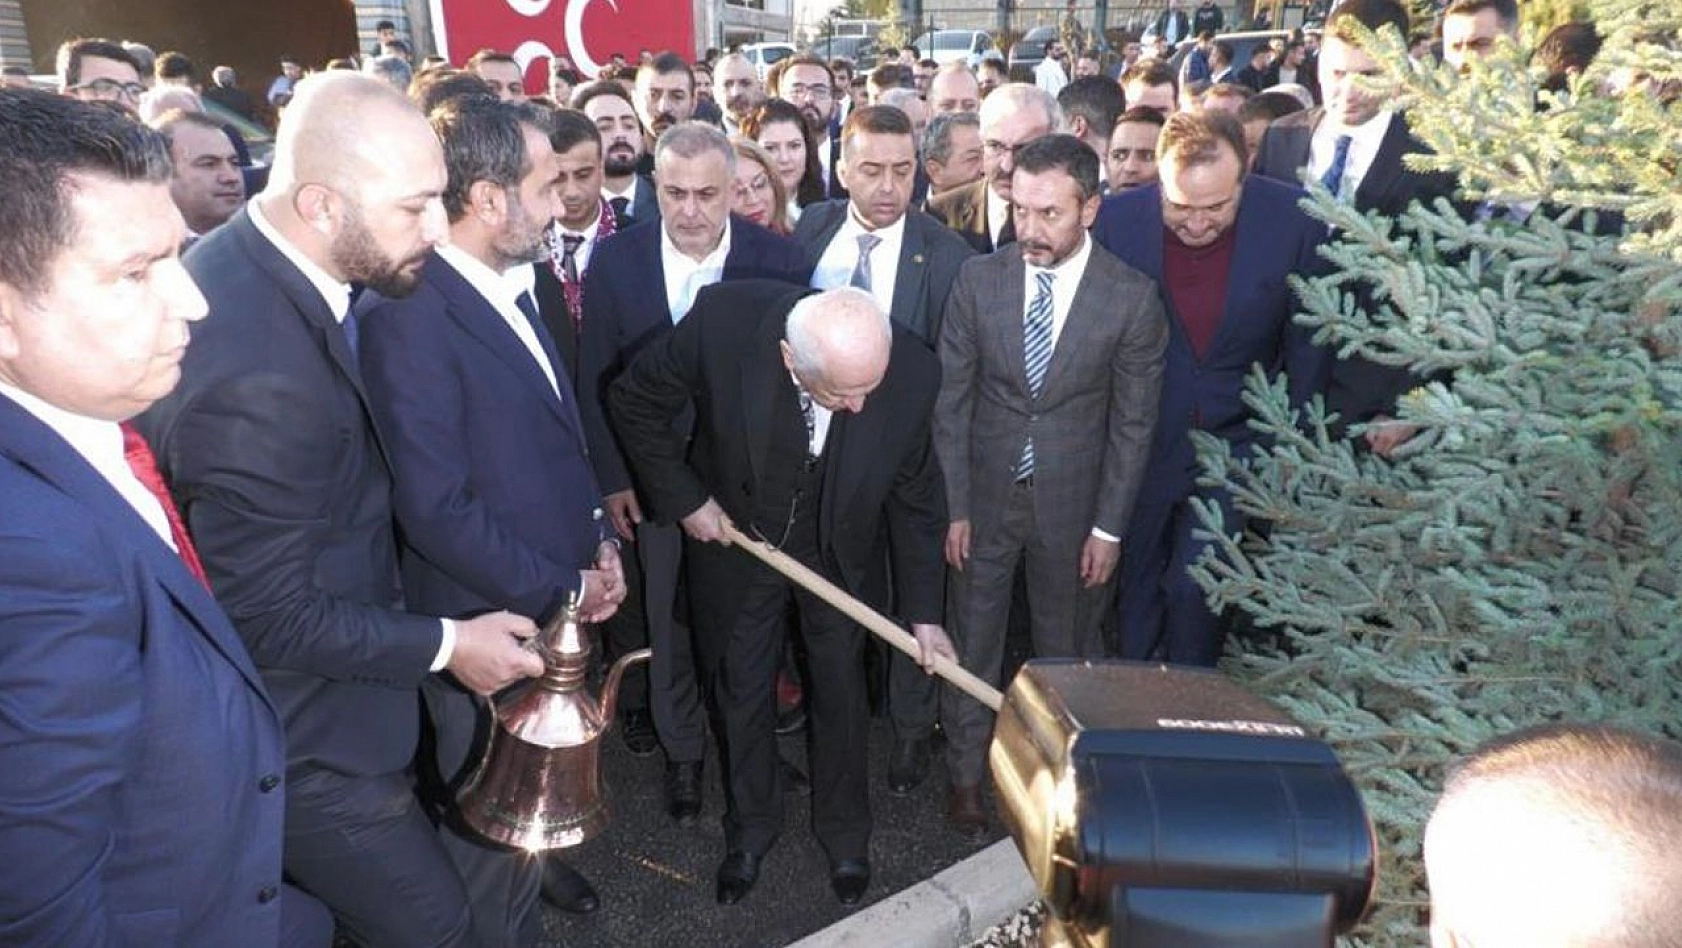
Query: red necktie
[{"x": 145, "y": 468}]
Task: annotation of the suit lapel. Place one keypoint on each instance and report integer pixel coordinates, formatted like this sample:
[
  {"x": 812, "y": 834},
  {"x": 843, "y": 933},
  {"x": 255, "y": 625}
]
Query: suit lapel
[
  {"x": 46, "y": 455},
  {"x": 481, "y": 320},
  {"x": 908, "y": 281},
  {"x": 1249, "y": 244},
  {"x": 1008, "y": 291},
  {"x": 303, "y": 295},
  {"x": 1386, "y": 167},
  {"x": 1084, "y": 312}
]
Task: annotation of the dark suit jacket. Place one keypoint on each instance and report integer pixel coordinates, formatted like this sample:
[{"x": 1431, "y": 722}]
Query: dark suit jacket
[
  {"x": 140, "y": 758},
  {"x": 1388, "y": 186},
  {"x": 494, "y": 493},
  {"x": 880, "y": 471},
  {"x": 1358, "y": 389},
  {"x": 964, "y": 210},
  {"x": 268, "y": 447},
  {"x": 929, "y": 258},
  {"x": 1275, "y": 239},
  {"x": 625, "y": 309},
  {"x": 552, "y": 304}
]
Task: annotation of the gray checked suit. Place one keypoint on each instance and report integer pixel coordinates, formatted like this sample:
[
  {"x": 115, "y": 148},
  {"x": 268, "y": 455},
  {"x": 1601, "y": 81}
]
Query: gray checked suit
[{"x": 1091, "y": 424}]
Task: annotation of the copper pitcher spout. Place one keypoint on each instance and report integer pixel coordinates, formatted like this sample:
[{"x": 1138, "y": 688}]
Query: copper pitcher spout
[{"x": 539, "y": 785}]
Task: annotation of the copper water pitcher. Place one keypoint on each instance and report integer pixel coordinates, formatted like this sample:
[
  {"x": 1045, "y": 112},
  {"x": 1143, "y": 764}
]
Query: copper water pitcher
[{"x": 540, "y": 786}]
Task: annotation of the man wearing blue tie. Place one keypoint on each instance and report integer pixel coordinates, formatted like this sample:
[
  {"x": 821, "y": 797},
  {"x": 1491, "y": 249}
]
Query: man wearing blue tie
[{"x": 493, "y": 491}]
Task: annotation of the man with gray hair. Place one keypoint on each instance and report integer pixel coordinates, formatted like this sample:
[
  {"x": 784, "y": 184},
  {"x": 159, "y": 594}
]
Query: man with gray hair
[
  {"x": 640, "y": 283},
  {"x": 1561, "y": 836},
  {"x": 952, "y": 151},
  {"x": 224, "y": 90},
  {"x": 812, "y": 432},
  {"x": 393, "y": 69},
  {"x": 1012, "y": 116},
  {"x": 737, "y": 89}
]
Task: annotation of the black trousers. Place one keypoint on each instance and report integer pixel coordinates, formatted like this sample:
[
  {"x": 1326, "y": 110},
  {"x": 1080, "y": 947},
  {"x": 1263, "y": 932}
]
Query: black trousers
[{"x": 741, "y": 663}]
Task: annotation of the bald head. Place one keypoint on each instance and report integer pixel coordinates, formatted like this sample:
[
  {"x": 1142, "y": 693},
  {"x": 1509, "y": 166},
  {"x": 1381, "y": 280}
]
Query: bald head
[
  {"x": 1560, "y": 837},
  {"x": 837, "y": 344},
  {"x": 954, "y": 89},
  {"x": 341, "y": 127}
]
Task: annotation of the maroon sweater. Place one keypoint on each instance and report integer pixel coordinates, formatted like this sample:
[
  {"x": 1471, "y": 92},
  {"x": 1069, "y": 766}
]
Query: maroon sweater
[{"x": 1196, "y": 279}]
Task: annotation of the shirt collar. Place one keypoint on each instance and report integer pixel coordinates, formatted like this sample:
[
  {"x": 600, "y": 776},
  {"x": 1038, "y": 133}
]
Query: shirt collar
[
  {"x": 497, "y": 288},
  {"x": 715, "y": 259},
  {"x": 333, "y": 292},
  {"x": 891, "y": 234},
  {"x": 1369, "y": 133},
  {"x": 98, "y": 441},
  {"x": 997, "y": 208}
]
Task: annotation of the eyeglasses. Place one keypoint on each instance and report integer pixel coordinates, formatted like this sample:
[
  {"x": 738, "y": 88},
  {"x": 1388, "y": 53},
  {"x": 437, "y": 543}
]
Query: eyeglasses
[
  {"x": 111, "y": 89},
  {"x": 997, "y": 148},
  {"x": 817, "y": 93}
]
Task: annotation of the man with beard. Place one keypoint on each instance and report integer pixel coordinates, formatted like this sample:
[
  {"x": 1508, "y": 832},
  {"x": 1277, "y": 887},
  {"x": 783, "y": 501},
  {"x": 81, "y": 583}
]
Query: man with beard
[
  {"x": 665, "y": 96},
  {"x": 495, "y": 499},
  {"x": 1014, "y": 115},
  {"x": 285, "y": 487},
  {"x": 1051, "y": 361},
  {"x": 806, "y": 83},
  {"x": 738, "y": 90},
  {"x": 627, "y": 190},
  {"x": 584, "y": 221},
  {"x": 207, "y": 186}
]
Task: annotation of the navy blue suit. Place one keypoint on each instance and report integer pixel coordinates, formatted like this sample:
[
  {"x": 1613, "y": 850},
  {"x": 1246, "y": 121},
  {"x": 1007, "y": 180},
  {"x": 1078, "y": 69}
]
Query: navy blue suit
[
  {"x": 492, "y": 484},
  {"x": 141, "y": 799},
  {"x": 1162, "y": 610}
]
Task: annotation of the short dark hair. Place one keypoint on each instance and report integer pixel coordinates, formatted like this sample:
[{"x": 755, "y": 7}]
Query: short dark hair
[
  {"x": 1568, "y": 48},
  {"x": 72, "y": 53},
  {"x": 802, "y": 59},
  {"x": 877, "y": 120},
  {"x": 569, "y": 128},
  {"x": 45, "y": 141},
  {"x": 384, "y": 25},
  {"x": 173, "y": 65},
  {"x": 840, "y": 64},
  {"x": 1095, "y": 99},
  {"x": 668, "y": 64},
  {"x": 434, "y": 87},
  {"x": 397, "y": 45},
  {"x": 1224, "y": 50},
  {"x": 1142, "y": 115},
  {"x": 1151, "y": 72},
  {"x": 892, "y": 76},
  {"x": 1231, "y": 90},
  {"x": 1372, "y": 14},
  {"x": 1505, "y": 10},
  {"x": 1270, "y": 105},
  {"x": 589, "y": 92},
  {"x": 1197, "y": 136},
  {"x": 1065, "y": 153},
  {"x": 488, "y": 56},
  {"x": 927, "y": 64},
  {"x": 482, "y": 142}
]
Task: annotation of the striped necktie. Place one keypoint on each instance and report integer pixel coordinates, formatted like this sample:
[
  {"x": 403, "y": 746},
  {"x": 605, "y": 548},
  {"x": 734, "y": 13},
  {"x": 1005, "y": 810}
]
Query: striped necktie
[{"x": 1036, "y": 349}]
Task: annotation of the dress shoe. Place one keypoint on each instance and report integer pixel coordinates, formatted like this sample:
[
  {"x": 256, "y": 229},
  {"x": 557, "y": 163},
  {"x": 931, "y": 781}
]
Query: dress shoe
[
  {"x": 966, "y": 812},
  {"x": 566, "y": 888},
  {"x": 849, "y": 878},
  {"x": 793, "y": 779},
  {"x": 637, "y": 730},
  {"x": 683, "y": 790},
  {"x": 908, "y": 764},
  {"x": 736, "y": 875}
]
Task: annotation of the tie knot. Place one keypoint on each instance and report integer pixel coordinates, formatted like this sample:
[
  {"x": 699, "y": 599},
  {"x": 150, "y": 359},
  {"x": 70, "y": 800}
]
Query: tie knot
[
  {"x": 571, "y": 242},
  {"x": 1044, "y": 279},
  {"x": 1341, "y": 146},
  {"x": 868, "y": 242}
]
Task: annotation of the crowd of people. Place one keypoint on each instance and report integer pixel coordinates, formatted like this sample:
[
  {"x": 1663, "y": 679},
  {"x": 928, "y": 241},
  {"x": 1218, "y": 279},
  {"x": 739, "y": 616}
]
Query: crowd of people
[{"x": 462, "y": 357}]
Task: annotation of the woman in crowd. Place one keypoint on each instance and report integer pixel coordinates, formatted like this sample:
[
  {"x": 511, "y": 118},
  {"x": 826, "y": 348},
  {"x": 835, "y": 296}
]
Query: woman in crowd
[
  {"x": 759, "y": 194},
  {"x": 781, "y": 130}
]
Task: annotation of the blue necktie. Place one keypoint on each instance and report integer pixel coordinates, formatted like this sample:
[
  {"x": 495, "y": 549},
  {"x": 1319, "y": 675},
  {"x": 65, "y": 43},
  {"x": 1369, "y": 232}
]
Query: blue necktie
[
  {"x": 861, "y": 271},
  {"x": 1333, "y": 178},
  {"x": 1036, "y": 349}
]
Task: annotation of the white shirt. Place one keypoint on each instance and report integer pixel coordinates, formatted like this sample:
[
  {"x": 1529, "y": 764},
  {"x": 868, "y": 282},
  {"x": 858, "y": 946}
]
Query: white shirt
[
  {"x": 1065, "y": 280},
  {"x": 686, "y": 276},
  {"x": 100, "y": 443},
  {"x": 998, "y": 211},
  {"x": 629, "y": 194},
  {"x": 580, "y": 257},
  {"x": 503, "y": 292},
  {"x": 835, "y": 267},
  {"x": 826, "y": 152},
  {"x": 337, "y": 297},
  {"x": 1364, "y": 141},
  {"x": 1049, "y": 75}
]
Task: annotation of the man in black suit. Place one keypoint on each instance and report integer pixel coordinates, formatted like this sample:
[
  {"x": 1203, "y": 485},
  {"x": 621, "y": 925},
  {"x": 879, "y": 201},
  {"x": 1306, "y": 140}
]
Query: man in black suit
[
  {"x": 583, "y": 221},
  {"x": 639, "y": 284},
  {"x": 268, "y": 445},
  {"x": 628, "y": 192},
  {"x": 907, "y": 262},
  {"x": 805, "y": 82},
  {"x": 1354, "y": 146},
  {"x": 812, "y": 430}
]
